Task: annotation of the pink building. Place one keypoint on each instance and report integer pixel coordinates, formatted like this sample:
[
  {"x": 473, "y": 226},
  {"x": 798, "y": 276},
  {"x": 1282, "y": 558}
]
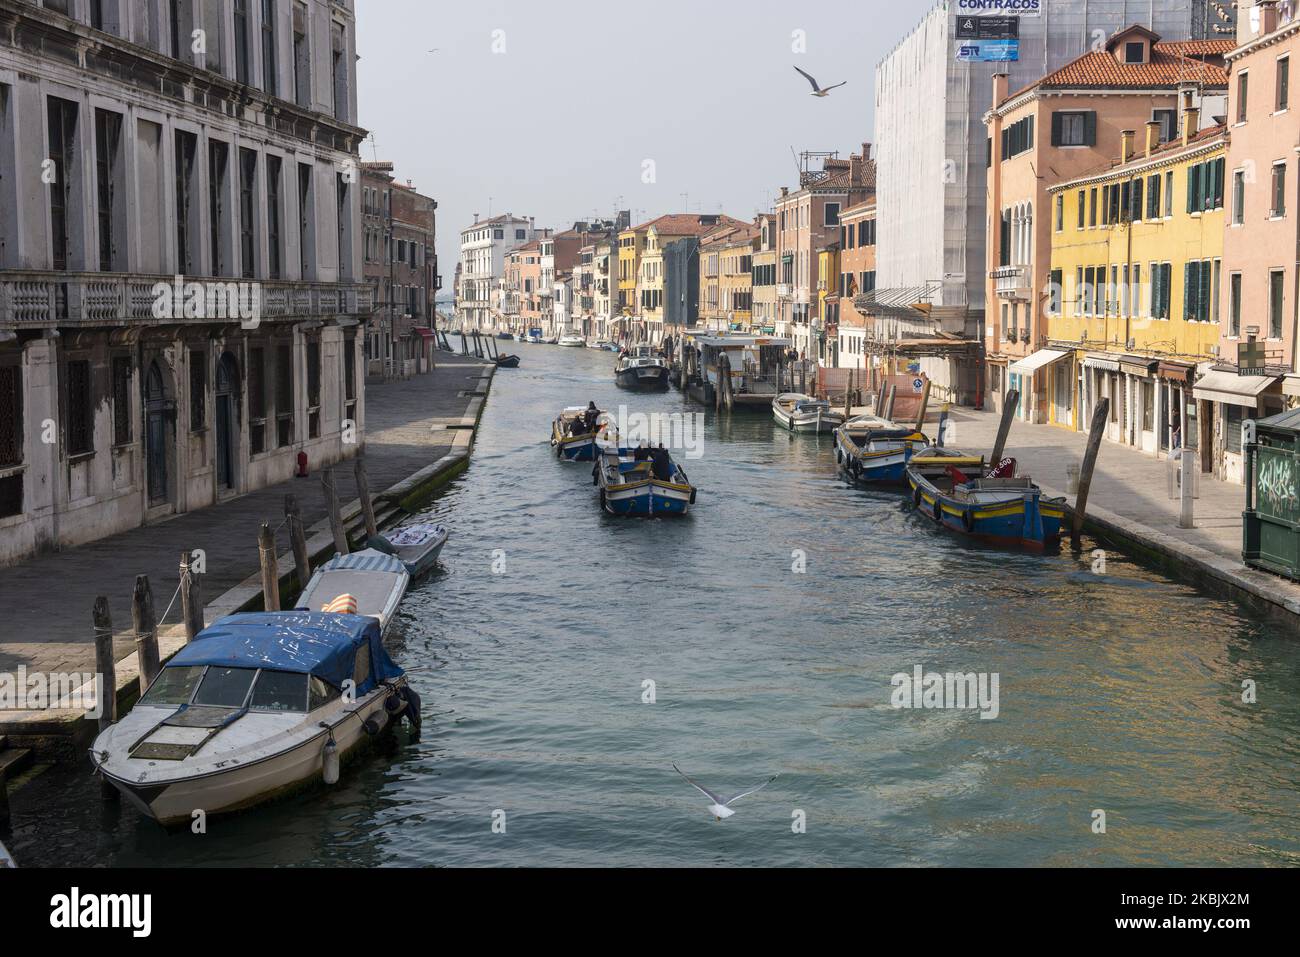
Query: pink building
[{"x": 1258, "y": 298}]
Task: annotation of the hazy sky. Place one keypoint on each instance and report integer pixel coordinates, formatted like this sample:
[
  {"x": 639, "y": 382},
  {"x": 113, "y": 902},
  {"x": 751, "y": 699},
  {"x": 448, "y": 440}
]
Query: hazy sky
[{"x": 560, "y": 124}]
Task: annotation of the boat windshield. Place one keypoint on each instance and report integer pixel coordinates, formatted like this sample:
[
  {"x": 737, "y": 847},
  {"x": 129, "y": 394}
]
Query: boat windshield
[
  {"x": 280, "y": 691},
  {"x": 173, "y": 686},
  {"x": 225, "y": 687}
]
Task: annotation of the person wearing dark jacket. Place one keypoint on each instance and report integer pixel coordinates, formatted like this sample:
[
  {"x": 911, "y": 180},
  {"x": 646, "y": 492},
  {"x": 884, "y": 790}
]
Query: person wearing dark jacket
[
  {"x": 661, "y": 463},
  {"x": 590, "y": 416}
]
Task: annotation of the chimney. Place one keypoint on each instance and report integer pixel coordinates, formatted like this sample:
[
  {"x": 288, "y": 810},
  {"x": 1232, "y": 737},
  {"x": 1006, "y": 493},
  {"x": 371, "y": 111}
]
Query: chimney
[
  {"x": 1153, "y": 136},
  {"x": 866, "y": 153},
  {"x": 1267, "y": 16},
  {"x": 855, "y": 170},
  {"x": 1191, "y": 117},
  {"x": 476, "y": 219},
  {"x": 1126, "y": 146},
  {"x": 1001, "y": 87},
  {"x": 785, "y": 191}
]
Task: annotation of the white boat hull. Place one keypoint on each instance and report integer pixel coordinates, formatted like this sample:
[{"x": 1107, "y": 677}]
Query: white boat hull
[{"x": 161, "y": 791}]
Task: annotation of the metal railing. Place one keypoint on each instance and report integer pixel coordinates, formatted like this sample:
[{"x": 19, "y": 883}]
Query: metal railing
[{"x": 42, "y": 297}]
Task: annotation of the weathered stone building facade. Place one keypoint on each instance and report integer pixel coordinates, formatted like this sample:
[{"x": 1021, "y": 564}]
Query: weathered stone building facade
[{"x": 180, "y": 257}]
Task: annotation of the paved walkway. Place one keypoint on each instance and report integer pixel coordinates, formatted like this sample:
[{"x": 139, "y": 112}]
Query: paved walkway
[
  {"x": 1130, "y": 495},
  {"x": 47, "y": 601}
]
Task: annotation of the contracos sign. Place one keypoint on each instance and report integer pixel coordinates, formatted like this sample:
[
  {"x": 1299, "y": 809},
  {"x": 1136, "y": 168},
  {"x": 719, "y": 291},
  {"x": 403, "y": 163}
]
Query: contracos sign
[{"x": 979, "y": 8}]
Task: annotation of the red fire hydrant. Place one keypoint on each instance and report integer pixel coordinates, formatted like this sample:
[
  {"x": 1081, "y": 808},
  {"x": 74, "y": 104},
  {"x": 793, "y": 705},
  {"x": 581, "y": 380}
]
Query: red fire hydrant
[{"x": 302, "y": 465}]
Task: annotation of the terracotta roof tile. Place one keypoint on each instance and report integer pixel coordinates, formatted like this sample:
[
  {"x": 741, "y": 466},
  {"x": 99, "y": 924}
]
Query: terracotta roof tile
[
  {"x": 688, "y": 224},
  {"x": 1170, "y": 64}
]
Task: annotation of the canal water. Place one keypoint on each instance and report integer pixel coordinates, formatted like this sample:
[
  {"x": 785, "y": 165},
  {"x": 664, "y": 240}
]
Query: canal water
[{"x": 534, "y": 646}]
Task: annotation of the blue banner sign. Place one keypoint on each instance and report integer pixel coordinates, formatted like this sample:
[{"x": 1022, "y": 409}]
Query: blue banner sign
[{"x": 988, "y": 51}]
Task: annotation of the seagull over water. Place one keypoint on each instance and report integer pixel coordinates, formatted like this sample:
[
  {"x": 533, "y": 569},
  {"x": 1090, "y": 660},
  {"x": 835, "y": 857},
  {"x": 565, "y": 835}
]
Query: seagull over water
[
  {"x": 722, "y": 808},
  {"x": 817, "y": 87}
]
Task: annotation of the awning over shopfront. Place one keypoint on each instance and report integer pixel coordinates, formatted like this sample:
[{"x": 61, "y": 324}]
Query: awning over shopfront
[
  {"x": 1103, "y": 362},
  {"x": 1180, "y": 372},
  {"x": 1137, "y": 365},
  {"x": 1291, "y": 384},
  {"x": 1232, "y": 389},
  {"x": 1040, "y": 359}
]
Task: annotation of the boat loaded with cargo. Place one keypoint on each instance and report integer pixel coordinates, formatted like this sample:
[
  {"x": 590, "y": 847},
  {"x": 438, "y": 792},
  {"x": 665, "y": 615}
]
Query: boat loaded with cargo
[{"x": 958, "y": 492}]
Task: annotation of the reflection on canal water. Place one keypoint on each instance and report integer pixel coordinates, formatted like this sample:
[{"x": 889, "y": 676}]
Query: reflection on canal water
[{"x": 532, "y": 646}]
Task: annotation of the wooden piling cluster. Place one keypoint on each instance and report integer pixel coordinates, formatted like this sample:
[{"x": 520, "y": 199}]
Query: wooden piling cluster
[{"x": 144, "y": 618}]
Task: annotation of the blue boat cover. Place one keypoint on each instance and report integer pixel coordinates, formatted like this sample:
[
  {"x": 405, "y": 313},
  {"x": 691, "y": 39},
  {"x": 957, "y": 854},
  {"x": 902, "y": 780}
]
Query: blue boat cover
[{"x": 301, "y": 642}]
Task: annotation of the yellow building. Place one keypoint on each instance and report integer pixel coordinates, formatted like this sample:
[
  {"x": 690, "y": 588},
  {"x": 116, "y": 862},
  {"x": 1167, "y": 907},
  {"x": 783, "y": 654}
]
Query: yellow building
[
  {"x": 828, "y": 298},
  {"x": 631, "y": 242},
  {"x": 1133, "y": 299},
  {"x": 650, "y": 285}
]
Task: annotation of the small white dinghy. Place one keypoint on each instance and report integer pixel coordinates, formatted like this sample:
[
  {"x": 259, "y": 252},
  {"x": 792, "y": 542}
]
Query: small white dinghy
[
  {"x": 376, "y": 581},
  {"x": 416, "y": 545},
  {"x": 254, "y": 706},
  {"x": 572, "y": 341},
  {"x": 803, "y": 413}
]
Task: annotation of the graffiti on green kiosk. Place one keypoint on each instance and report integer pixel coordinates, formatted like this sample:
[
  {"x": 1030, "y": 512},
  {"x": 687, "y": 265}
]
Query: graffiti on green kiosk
[{"x": 1277, "y": 486}]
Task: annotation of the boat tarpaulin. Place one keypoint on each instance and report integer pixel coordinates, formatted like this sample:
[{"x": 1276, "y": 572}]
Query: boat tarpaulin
[
  {"x": 301, "y": 642},
  {"x": 1219, "y": 385},
  {"x": 1031, "y": 364},
  {"x": 367, "y": 561}
]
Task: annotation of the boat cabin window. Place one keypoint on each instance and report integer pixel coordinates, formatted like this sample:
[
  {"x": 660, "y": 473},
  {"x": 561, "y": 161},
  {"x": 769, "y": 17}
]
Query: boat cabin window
[
  {"x": 279, "y": 691},
  {"x": 173, "y": 686},
  {"x": 322, "y": 693},
  {"x": 225, "y": 687}
]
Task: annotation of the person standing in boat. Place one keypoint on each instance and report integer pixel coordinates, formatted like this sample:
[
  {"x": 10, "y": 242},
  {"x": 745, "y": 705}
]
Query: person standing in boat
[
  {"x": 640, "y": 453},
  {"x": 661, "y": 463},
  {"x": 590, "y": 416}
]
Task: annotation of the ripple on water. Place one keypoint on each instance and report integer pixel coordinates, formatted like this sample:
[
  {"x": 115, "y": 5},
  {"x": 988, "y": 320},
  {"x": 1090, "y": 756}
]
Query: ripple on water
[{"x": 1119, "y": 691}]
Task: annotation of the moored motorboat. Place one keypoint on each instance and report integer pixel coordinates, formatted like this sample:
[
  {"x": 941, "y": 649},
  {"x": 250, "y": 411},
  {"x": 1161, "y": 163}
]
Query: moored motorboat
[
  {"x": 254, "y": 706},
  {"x": 803, "y": 413},
  {"x": 875, "y": 451},
  {"x": 576, "y": 432},
  {"x": 642, "y": 487},
  {"x": 506, "y": 335},
  {"x": 416, "y": 545},
  {"x": 954, "y": 491},
  {"x": 572, "y": 341},
  {"x": 510, "y": 361},
  {"x": 367, "y": 582},
  {"x": 643, "y": 368}
]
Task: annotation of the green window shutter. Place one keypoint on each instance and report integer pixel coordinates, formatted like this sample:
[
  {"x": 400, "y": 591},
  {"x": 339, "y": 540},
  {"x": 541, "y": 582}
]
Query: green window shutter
[
  {"x": 1057, "y": 123},
  {"x": 1090, "y": 128}
]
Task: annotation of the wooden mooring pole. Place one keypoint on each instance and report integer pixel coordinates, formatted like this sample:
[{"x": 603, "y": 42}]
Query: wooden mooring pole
[
  {"x": 1098, "y": 429},
  {"x": 191, "y": 597},
  {"x": 336, "y": 517},
  {"x": 889, "y": 404},
  {"x": 1009, "y": 406},
  {"x": 363, "y": 490},
  {"x": 925, "y": 401},
  {"x": 297, "y": 541},
  {"x": 270, "y": 568},
  {"x": 106, "y": 672},
  {"x": 146, "y": 631}
]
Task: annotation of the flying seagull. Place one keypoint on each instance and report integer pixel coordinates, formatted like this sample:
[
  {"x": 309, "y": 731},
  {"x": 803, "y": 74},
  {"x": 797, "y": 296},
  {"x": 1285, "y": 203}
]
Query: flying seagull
[
  {"x": 817, "y": 89},
  {"x": 720, "y": 808}
]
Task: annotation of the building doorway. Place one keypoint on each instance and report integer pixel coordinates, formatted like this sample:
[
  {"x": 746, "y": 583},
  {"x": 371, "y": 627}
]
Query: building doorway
[
  {"x": 227, "y": 420},
  {"x": 158, "y": 423}
]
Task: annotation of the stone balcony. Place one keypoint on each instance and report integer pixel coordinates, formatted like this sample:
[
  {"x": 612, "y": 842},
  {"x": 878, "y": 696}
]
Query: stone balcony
[
  {"x": 1011, "y": 282},
  {"x": 38, "y": 299}
]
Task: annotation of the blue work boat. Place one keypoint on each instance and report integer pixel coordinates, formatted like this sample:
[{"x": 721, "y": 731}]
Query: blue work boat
[
  {"x": 631, "y": 487},
  {"x": 954, "y": 491},
  {"x": 875, "y": 451}
]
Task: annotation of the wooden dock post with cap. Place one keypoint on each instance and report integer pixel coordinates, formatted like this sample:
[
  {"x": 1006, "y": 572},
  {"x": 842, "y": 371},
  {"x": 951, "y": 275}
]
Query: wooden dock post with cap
[
  {"x": 270, "y": 568},
  {"x": 1098, "y": 429},
  {"x": 363, "y": 490},
  {"x": 191, "y": 597},
  {"x": 336, "y": 517},
  {"x": 297, "y": 541},
  {"x": 146, "y": 630},
  {"x": 106, "y": 680}
]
